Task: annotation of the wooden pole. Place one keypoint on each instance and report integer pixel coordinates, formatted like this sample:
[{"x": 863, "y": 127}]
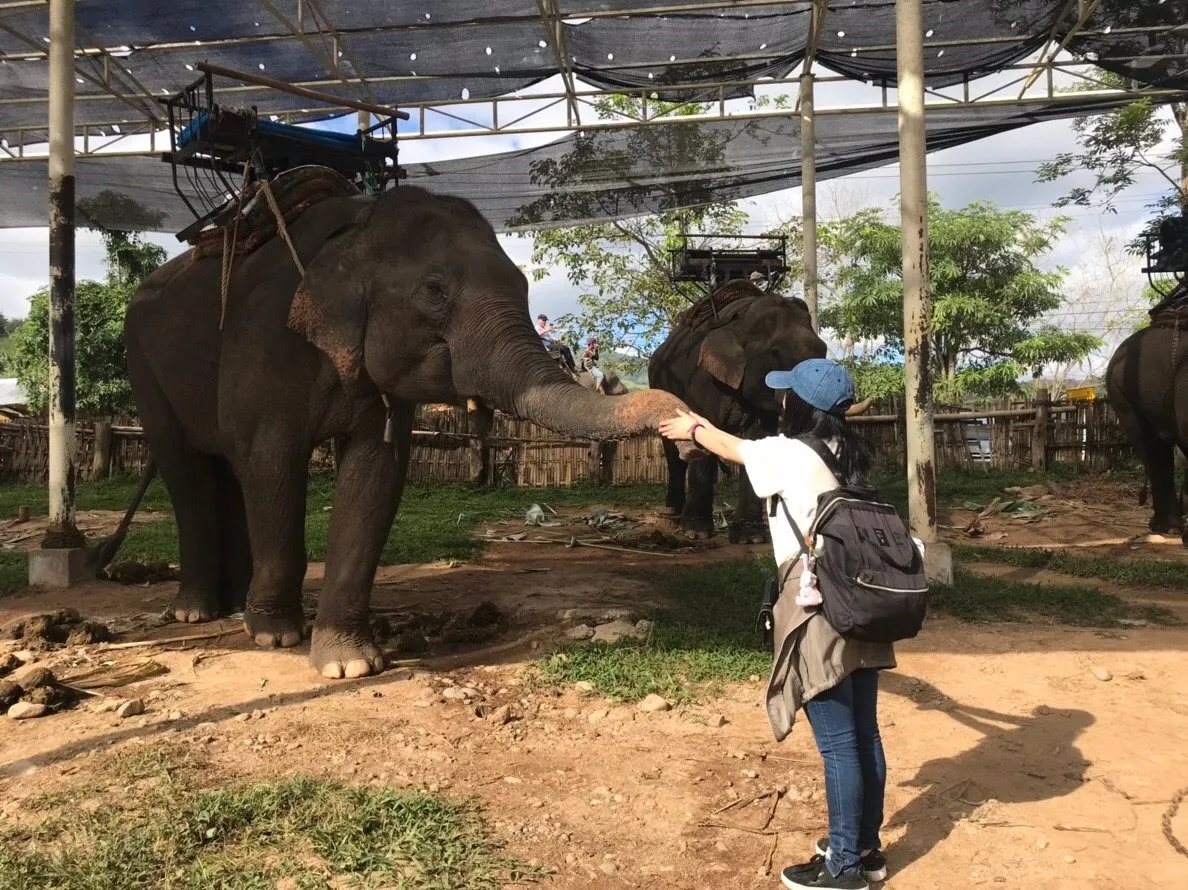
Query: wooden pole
[
  {"x": 917, "y": 298},
  {"x": 808, "y": 192},
  {"x": 1039, "y": 436}
]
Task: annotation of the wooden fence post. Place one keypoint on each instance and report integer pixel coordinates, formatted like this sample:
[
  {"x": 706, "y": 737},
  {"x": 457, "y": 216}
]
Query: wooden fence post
[
  {"x": 101, "y": 460},
  {"x": 1039, "y": 435}
]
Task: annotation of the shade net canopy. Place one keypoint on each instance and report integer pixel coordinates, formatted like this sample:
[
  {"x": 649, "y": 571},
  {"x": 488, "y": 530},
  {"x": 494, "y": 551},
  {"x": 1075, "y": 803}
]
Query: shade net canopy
[
  {"x": 418, "y": 51},
  {"x": 591, "y": 177}
]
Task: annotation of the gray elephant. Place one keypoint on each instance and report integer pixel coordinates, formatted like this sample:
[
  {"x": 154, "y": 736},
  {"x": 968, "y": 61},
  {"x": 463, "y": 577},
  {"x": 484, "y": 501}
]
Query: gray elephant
[
  {"x": 1147, "y": 383},
  {"x": 405, "y": 299},
  {"x": 716, "y": 358}
]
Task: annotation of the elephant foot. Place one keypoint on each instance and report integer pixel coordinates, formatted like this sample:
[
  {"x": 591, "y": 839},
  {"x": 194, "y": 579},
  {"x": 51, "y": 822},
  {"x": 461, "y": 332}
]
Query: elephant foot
[
  {"x": 191, "y": 606},
  {"x": 274, "y": 630},
  {"x": 748, "y": 533},
  {"x": 1169, "y": 528},
  {"x": 698, "y": 528},
  {"x": 339, "y": 654}
]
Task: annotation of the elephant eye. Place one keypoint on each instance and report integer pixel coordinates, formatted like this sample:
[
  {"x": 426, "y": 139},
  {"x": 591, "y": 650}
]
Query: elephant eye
[{"x": 434, "y": 288}]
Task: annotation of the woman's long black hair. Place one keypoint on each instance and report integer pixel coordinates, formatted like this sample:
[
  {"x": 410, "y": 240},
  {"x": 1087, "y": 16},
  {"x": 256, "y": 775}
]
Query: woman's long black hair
[{"x": 799, "y": 418}]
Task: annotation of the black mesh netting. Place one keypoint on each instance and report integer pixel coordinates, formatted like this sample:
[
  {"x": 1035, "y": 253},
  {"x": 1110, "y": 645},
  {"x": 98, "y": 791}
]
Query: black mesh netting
[
  {"x": 429, "y": 50},
  {"x": 604, "y": 175}
]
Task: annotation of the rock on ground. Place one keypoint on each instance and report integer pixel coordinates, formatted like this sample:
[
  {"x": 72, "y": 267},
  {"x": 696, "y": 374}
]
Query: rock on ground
[
  {"x": 613, "y": 631},
  {"x": 131, "y": 708},
  {"x": 654, "y": 704},
  {"x": 23, "y": 710}
]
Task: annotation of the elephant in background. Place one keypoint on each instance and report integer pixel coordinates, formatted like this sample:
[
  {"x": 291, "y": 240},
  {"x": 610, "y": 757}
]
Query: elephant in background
[
  {"x": 1147, "y": 383},
  {"x": 406, "y": 298},
  {"x": 715, "y": 359}
]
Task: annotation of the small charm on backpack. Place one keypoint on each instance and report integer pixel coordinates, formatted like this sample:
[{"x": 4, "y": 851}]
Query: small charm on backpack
[{"x": 808, "y": 595}]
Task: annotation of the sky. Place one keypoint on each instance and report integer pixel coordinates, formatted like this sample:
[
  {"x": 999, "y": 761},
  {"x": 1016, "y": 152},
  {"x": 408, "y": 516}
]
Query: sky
[{"x": 999, "y": 169}]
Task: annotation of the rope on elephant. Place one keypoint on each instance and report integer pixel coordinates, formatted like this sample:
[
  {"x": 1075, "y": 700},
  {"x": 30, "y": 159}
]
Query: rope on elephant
[
  {"x": 1168, "y": 816},
  {"x": 707, "y": 307},
  {"x": 255, "y": 222},
  {"x": 1171, "y": 319}
]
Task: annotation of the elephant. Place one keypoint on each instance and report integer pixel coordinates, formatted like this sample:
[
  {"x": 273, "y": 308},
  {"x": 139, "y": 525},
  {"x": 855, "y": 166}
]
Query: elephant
[
  {"x": 716, "y": 358},
  {"x": 388, "y": 302},
  {"x": 1147, "y": 383}
]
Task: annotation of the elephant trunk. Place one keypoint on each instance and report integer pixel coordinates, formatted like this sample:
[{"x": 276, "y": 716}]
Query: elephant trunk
[{"x": 530, "y": 385}]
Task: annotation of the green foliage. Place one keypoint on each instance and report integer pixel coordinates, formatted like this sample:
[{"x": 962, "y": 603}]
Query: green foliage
[
  {"x": 102, "y": 377},
  {"x": 99, "y": 308},
  {"x": 309, "y": 833},
  {"x": 988, "y": 295},
  {"x": 621, "y": 265},
  {"x": 876, "y": 379},
  {"x": 1119, "y": 146}
]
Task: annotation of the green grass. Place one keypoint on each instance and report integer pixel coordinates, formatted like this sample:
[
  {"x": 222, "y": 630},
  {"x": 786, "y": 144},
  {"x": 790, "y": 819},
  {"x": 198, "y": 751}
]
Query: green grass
[
  {"x": 1140, "y": 572},
  {"x": 706, "y": 636},
  {"x": 977, "y": 598},
  {"x": 955, "y": 487},
  {"x": 164, "y": 833}
]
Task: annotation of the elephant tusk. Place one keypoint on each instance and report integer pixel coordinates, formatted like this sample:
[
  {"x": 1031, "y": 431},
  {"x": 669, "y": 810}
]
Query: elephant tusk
[{"x": 859, "y": 408}]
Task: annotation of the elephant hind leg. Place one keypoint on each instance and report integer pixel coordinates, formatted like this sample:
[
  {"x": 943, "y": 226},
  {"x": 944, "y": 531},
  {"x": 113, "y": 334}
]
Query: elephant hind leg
[
  {"x": 1168, "y": 516},
  {"x": 189, "y": 477},
  {"x": 235, "y": 550},
  {"x": 697, "y": 518}
]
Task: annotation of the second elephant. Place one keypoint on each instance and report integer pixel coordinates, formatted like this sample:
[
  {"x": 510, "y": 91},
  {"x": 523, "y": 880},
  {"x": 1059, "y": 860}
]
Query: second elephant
[{"x": 715, "y": 359}]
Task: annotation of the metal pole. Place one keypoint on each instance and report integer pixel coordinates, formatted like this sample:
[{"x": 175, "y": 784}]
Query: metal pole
[
  {"x": 62, "y": 532},
  {"x": 808, "y": 192},
  {"x": 917, "y": 299}
]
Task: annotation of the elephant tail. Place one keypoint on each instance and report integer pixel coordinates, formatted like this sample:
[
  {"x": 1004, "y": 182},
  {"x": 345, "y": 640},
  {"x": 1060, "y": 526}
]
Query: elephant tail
[{"x": 102, "y": 555}]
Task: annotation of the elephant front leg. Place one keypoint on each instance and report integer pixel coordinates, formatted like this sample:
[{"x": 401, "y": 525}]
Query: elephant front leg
[
  {"x": 370, "y": 482},
  {"x": 749, "y": 525},
  {"x": 697, "y": 517}
]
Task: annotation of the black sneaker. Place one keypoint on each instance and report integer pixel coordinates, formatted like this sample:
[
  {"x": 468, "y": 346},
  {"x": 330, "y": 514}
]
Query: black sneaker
[
  {"x": 874, "y": 863},
  {"x": 813, "y": 875}
]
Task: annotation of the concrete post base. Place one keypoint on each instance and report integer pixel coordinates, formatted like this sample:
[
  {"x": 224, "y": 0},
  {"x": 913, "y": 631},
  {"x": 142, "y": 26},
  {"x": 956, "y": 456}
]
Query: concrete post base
[
  {"x": 938, "y": 563},
  {"x": 58, "y": 568}
]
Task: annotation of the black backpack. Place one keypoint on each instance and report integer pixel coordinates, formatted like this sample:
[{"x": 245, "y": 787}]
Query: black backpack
[{"x": 869, "y": 571}]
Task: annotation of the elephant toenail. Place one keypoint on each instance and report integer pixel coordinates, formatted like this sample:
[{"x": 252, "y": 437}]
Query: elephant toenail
[{"x": 332, "y": 671}]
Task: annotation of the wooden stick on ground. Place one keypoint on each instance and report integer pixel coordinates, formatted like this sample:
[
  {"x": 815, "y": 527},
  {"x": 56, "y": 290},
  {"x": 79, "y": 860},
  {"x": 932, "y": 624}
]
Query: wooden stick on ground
[{"x": 166, "y": 641}]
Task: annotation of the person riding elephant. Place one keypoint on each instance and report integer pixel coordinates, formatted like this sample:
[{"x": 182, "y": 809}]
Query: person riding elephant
[
  {"x": 716, "y": 358},
  {"x": 392, "y": 301},
  {"x": 1147, "y": 383}
]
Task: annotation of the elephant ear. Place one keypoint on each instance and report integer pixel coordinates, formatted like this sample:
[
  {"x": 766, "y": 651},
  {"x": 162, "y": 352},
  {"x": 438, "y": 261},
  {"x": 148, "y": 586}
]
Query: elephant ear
[
  {"x": 328, "y": 308},
  {"x": 723, "y": 357}
]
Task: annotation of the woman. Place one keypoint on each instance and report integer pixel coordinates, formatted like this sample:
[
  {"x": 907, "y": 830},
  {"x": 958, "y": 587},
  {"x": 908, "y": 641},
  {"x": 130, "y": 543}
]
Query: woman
[
  {"x": 590, "y": 364},
  {"x": 834, "y": 679}
]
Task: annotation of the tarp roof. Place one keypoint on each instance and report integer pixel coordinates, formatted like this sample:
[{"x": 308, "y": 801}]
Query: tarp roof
[
  {"x": 582, "y": 178},
  {"x": 132, "y": 52}
]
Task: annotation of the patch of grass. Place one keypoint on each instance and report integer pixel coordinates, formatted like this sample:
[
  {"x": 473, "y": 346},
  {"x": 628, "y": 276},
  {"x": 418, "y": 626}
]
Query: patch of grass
[
  {"x": 14, "y": 572},
  {"x": 316, "y": 833},
  {"x": 110, "y": 494},
  {"x": 1141, "y": 572},
  {"x": 705, "y": 637},
  {"x": 977, "y": 598},
  {"x": 955, "y": 487}
]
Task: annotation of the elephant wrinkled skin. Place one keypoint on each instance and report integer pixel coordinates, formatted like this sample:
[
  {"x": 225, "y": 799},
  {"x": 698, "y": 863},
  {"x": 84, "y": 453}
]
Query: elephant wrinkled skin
[
  {"x": 408, "y": 297},
  {"x": 1147, "y": 382},
  {"x": 717, "y": 362}
]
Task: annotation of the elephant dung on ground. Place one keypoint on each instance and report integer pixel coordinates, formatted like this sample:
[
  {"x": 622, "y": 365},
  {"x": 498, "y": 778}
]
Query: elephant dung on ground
[
  {"x": 716, "y": 359},
  {"x": 407, "y": 298},
  {"x": 1147, "y": 383}
]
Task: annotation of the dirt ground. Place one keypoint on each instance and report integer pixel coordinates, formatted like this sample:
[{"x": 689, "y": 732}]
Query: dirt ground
[{"x": 1011, "y": 763}]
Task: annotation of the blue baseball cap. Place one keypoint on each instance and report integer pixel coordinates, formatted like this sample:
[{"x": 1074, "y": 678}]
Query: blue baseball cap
[{"x": 824, "y": 384}]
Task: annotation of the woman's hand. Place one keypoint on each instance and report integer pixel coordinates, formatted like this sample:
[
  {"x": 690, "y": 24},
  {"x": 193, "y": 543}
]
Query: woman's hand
[{"x": 680, "y": 428}]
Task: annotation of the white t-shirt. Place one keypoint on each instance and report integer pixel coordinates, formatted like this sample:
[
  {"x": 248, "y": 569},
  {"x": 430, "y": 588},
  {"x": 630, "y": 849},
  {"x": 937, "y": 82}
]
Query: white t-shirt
[{"x": 789, "y": 468}]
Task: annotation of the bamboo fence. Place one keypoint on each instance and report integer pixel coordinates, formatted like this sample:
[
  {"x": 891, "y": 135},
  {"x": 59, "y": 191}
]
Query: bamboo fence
[{"x": 518, "y": 453}]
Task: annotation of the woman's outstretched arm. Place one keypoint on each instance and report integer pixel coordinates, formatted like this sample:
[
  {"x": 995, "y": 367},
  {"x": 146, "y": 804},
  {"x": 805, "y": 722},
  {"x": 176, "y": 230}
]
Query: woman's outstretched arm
[{"x": 687, "y": 425}]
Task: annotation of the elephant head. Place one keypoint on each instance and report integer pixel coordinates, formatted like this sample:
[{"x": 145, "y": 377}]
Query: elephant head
[
  {"x": 767, "y": 333},
  {"x": 416, "y": 299}
]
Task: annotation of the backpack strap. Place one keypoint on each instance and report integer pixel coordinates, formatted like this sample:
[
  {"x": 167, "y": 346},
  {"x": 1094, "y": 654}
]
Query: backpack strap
[
  {"x": 804, "y": 547},
  {"x": 824, "y": 452}
]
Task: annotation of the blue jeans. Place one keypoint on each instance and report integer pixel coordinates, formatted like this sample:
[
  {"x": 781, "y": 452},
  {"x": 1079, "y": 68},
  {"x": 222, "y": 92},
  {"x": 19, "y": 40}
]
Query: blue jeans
[{"x": 845, "y": 724}]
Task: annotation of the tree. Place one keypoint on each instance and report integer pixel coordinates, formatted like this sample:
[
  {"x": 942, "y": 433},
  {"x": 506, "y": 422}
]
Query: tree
[
  {"x": 1116, "y": 147},
  {"x": 620, "y": 261},
  {"x": 989, "y": 298},
  {"x": 102, "y": 378}
]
